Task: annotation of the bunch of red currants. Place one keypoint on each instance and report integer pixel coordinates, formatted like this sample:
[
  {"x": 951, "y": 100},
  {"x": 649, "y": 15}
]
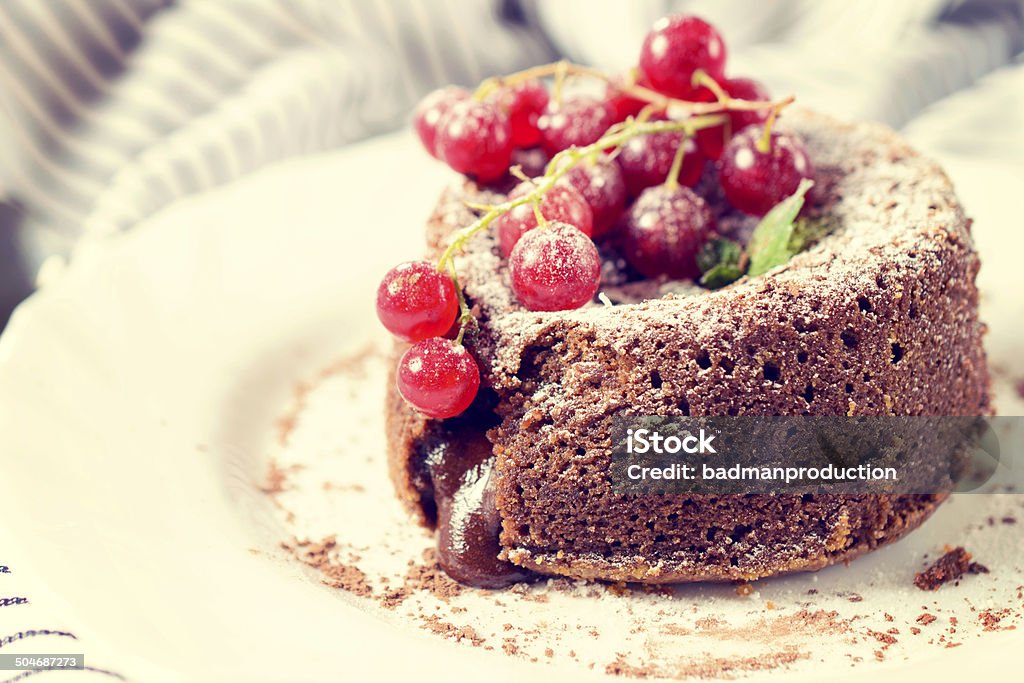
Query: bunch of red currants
[{"x": 642, "y": 191}]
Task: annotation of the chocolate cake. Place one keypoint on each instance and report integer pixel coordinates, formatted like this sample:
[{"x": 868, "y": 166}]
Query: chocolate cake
[{"x": 878, "y": 318}]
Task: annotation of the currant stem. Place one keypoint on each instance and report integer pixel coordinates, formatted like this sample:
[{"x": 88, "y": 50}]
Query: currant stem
[
  {"x": 672, "y": 181},
  {"x": 561, "y": 72},
  {"x": 517, "y": 172},
  {"x": 465, "y": 315},
  {"x": 702, "y": 78},
  {"x": 463, "y": 325},
  {"x": 541, "y": 221},
  {"x": 648, "y": 111},
  {"x": 764, "y": 145},
  {"x": 486, "y": 87},
  {"x": 565, "y": 160},
  {"x": 632, "y": 89}
]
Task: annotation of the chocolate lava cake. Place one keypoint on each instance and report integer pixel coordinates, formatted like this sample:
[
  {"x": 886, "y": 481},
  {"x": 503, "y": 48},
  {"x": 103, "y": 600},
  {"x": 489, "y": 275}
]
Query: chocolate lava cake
[{"x": 878, "y": 318}]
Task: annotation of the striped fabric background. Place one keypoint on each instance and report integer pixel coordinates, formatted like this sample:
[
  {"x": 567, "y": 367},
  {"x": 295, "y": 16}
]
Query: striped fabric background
[{"x": 114, "y": 108}]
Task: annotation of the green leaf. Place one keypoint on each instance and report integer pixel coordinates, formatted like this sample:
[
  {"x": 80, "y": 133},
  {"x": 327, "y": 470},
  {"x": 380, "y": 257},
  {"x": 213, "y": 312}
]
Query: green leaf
[
  {"x": 721, "y": 261},
  {"x": 808, "y": 231},
  {"x": 720, "y": 276},
  {"x": 770, "y": 244},
  {"x": 717, "y": 251}
]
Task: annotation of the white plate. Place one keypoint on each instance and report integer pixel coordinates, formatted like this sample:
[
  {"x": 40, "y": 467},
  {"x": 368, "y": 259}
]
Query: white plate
[{"x": 139, "y": 396}]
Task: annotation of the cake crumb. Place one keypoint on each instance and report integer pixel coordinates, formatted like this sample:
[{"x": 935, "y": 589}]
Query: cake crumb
[
  {"x": 990, "y": 619},
  {"x": 708, "y": 667},
  {"x": 435, "y": 624},
  {"x": 619, "y": 588},
  {"x": 277, "y": 477},
  {"x": 886, "y": 639},
  {"x": 334, "y": 572},
  {"x": 427, "y": 577},
  {"x": 950, "y": 567}
]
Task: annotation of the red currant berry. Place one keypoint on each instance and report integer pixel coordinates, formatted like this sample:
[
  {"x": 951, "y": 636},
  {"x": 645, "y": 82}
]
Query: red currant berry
[
  {"x": 416, "y": 301},
  {"x": 622, "y": 105},
  {"x": 438, "y": 378},
  {"x": 524, "y": 102},
  {"x": 578, "y": 121},
  {"x": 431, "y": 110},
  {"x": 475, "y": 138},
  {"x": 562, "y": 203},
  {"x": 663, "y": 231},
  {"x": 753, "y": 180},
  {"x": 675, "y": 48},
  {"x": 646, "y": 160},
  {"x": 555, "y": 268},
  {"x": 604, "y": 189},
  {"x": 712, "y": 141}
]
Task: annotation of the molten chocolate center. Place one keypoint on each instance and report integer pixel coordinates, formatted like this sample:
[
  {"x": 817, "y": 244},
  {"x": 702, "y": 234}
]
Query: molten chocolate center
[{"x": 468, "y": 523}]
